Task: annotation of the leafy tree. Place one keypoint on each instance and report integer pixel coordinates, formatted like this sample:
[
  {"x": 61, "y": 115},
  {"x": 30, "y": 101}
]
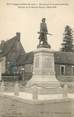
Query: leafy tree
[{"x": 67, "y": 44}]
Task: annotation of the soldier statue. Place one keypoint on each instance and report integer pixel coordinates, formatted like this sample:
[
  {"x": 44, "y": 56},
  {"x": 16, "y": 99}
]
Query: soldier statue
[{"x": 43, "y": 34}]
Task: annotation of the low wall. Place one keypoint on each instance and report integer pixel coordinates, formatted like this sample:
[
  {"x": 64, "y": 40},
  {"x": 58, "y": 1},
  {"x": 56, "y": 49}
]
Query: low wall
[{"x": 17, "y": 107}]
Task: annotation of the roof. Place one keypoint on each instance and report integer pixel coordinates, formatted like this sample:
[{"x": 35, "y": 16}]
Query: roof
[
  {"x": 25, "y": 59},
  {"x": 6, "y": 46},
  {"x": 59, "y": 58},
  {"x": 64, "y": 57}
]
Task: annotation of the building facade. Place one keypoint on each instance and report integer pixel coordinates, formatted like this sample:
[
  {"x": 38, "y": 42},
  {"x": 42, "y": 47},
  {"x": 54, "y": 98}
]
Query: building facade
[
  {"x": 2, "y": 66},
  {"x": 64, "y": 65},
  {"x": 11, "y": 50}
]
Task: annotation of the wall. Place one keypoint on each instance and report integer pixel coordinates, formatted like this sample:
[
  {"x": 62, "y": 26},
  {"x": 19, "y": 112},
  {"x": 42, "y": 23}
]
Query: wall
[
  {"x": 68, "y": 69},
  {"x": 28, "y": 68},
  {"x": 15, "y": 51},
  {"x": 57, "y": 69},
  {"x": 2, "y": 66}
]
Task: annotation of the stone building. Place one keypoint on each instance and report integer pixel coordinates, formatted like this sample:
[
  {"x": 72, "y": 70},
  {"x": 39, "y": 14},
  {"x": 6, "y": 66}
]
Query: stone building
[
  {"x": 11, "y": 50},
  {"x": 64, "y": 65}
]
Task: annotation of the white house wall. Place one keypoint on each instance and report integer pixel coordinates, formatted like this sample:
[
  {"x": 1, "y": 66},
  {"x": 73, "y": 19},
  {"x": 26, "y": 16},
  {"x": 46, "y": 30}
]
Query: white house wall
[
  {"x": 3, "y": 65},
  {"x": 0, "y": 70}
]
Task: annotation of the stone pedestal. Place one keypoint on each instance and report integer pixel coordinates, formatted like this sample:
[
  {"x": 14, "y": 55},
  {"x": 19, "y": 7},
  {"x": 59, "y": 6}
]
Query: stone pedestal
[{"x": 44, "y": 72}]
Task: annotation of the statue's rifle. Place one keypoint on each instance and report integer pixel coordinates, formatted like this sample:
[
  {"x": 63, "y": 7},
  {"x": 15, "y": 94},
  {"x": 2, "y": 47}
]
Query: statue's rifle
[{"x": 45, "y": 33}]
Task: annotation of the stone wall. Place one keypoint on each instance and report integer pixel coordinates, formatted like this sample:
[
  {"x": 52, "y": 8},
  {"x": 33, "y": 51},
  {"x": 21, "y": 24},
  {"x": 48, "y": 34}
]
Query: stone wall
[
  {"x": 28, "y": 68},
  {"x": 17, "y": 107}
]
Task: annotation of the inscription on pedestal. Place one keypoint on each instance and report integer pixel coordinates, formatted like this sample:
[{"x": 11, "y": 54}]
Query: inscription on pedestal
[
  {"x": 37, "y": 62},
  {"x": 44, "y": 63}
]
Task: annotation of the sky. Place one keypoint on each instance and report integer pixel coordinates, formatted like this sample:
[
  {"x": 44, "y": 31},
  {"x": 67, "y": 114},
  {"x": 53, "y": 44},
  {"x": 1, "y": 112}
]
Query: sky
[{"x": 27, "y": 22}]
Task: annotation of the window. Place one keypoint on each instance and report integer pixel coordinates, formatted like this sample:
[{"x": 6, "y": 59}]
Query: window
[
  {"x": 62, "y": 70},
  {"x": 73, "y": 70}
]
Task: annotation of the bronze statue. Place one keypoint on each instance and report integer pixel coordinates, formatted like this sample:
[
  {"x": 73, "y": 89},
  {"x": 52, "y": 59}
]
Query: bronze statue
[{"x": 43, "y": 33}]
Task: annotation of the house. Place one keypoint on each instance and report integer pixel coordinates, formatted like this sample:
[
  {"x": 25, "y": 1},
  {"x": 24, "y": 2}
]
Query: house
[{"x": 11, "y": 49}]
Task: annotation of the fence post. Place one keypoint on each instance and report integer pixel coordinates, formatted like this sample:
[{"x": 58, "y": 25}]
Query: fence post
[
  {"x": 16, "y": 89},
  {"x": 35, "y": 92},
  {"x": 2, "y": 88},
  {"x": 65, "y": 91}
]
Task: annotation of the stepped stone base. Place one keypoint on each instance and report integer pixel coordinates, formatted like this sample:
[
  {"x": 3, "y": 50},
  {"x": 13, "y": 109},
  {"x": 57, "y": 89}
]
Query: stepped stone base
[{"x": 44, "y": 86}]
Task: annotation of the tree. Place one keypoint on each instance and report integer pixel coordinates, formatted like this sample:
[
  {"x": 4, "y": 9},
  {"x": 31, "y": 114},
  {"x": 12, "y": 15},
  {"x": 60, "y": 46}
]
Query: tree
[{"x": 67, "y": 44}]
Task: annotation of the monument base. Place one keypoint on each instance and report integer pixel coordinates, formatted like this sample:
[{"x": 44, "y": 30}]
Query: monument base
[
  {"x": 44, "y": 85},
  {"x": 44, "y": 79}
]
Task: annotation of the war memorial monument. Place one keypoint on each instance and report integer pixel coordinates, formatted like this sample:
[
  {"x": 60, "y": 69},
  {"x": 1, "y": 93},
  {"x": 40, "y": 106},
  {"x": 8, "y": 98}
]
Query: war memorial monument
[
  {"x": 44, "y": 78},
  {"x": 49, "y": 98},
  {"x": 43, "y": 95}
]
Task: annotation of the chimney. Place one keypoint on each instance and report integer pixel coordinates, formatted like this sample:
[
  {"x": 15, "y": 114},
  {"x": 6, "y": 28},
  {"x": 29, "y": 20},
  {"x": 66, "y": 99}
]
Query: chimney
[
  {"x": 2, "y": 46},
  {"x": 18, "y": 36},
  {"x": 2, "y": 43}
]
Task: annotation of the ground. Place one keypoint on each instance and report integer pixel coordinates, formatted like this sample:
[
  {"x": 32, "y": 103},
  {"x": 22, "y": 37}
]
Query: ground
[{"x": 24, "y": 105}]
